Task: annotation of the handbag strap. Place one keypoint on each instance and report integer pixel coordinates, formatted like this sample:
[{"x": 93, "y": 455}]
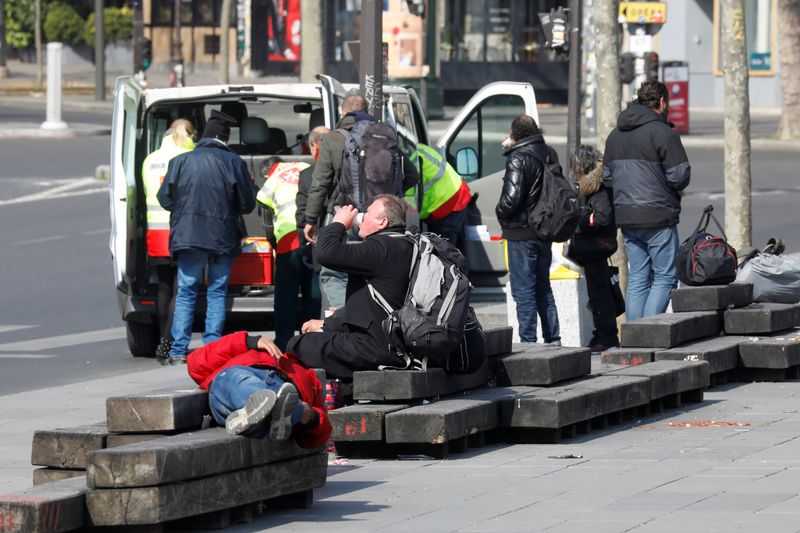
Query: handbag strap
[{"x": 705, "y": 218}]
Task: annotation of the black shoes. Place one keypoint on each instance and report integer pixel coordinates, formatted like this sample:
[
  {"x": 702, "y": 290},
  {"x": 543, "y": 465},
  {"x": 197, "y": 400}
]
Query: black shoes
[{"x": 162, "y": 351}]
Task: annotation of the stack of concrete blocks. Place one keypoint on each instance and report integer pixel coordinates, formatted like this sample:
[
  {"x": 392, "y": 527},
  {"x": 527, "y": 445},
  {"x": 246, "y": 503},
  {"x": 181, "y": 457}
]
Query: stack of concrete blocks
[
  {"x": 151, "y": 463},
  {"x": 720, "y": 324}
]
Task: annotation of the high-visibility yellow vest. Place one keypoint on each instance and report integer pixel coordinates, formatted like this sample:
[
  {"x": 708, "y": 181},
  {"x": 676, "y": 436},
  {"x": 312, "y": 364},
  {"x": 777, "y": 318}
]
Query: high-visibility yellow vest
[
  {"x": 278, "y": 194},
  {"x": 154, "y": 170},
  {"x": 440, "y": 181}
]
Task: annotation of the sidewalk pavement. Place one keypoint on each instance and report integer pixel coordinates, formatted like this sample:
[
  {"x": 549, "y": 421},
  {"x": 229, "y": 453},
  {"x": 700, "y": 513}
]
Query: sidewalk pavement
[{"x": 731, "y": 462}]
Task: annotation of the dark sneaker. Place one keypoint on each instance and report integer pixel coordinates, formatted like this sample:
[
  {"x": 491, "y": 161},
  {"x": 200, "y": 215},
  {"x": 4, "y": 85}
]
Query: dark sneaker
[
  {"x": 285, "y": 405},
  {"x": 177, "y": 360},
  {"x": 597, "y": 348},
  {"x": 255, "y": 410}
]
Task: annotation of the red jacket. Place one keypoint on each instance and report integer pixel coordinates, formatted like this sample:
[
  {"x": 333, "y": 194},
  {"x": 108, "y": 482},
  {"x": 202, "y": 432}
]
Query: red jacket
[{"x": 231, "y": 350}]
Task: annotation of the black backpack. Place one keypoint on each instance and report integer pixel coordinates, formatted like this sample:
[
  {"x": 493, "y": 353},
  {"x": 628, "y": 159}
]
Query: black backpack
[
  {"x": 470, "y": 355},
  {"x": 557, "y": 213},
  {"x": 372, "y": 164},
  {"x": 705, "y": 259},
  {"x": 429, "y": 327}
]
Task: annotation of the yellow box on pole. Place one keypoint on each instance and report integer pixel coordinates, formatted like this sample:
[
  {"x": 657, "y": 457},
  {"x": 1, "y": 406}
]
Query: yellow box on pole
[{"x": 643, "y": 12}]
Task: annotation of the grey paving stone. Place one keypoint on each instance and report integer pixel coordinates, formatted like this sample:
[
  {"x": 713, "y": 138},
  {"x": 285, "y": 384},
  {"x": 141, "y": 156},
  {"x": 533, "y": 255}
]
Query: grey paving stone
[
  {"x": 722, "y": 353},
  {"x": 183, "y": 457},
  {"x": 67, "y": 447},
  {"x": 781, "y": 350},
  {"x": 51, "y": 507},
  {"x": 407, "y": 385},
  {"x": 169, "y": 410},
  {"x": 542, "y": 365},
  {"x": 670, "y": 377},
  {"x": 760, "y": 318},
  {"x": 158, "y": 504},
  {"x": 630, "y": 356},
  {"x": 48, "y": 475},
  {"x": 498, "y": 340},
  {"x": 670, "y": 329},
  {"x": 361, "y": 422},
  {"x": 711, "y": 297}
]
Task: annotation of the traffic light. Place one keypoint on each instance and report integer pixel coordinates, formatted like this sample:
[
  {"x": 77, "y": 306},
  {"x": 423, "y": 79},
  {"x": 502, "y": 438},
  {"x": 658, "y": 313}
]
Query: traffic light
[
  {"x": 651, "y": 66},
  {"x": 147, "y": 53},
  {"x": 626, "y": 74}
]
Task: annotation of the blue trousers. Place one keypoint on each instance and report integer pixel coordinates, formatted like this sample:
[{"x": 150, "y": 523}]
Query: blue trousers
[
  {"x": 651, "y": 269},
  {"x": 529, "y": 271}
]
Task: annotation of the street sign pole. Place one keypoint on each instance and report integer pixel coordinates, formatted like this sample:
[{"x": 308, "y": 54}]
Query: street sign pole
[
  {"x": 138, "y": 38},
  {"x": 574, "y": 96},
  {"x": 370, "y": 73},
  {"x": 99, "y": 52}
]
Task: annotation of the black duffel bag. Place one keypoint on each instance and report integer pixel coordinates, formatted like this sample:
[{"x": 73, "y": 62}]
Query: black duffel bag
[{"x": 705, "y": 259}]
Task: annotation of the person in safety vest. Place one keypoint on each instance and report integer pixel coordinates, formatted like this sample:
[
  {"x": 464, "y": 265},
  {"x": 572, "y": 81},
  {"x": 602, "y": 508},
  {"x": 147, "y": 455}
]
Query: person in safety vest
[
  {"x": 292, "y": 273},
  {"x": 445, "y": 194},
  {"x": 179, "y": 138}
]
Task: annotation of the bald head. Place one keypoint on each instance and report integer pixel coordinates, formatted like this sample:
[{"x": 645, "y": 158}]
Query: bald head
[
  {"x": 316, "y": 135},
  {"x": 353, "y": 104}
]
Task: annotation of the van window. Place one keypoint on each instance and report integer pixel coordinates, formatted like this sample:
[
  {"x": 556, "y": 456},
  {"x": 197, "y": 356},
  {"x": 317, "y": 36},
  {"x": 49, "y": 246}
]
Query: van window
[{"x": 404, "y": 125}]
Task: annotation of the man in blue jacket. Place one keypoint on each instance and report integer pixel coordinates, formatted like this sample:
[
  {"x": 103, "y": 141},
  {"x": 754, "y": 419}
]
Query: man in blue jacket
[
  {"x": 206, "y": 191},
  {"x": 646, "y": 166}
]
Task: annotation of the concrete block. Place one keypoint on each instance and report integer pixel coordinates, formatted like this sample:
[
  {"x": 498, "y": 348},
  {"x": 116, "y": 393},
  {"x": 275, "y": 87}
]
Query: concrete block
[
  {"x": 163, "y": 503},
  {"x": 498, "y": 340},
  {"x": 67, "y": 447},
  {"x": 51, "y": 507},
  {"x": 722, "y": 353},
  {"x": 670, "y": 377},
  {"x": 121, "y": 439},
  {"x": 670, "y": 329},
  {"x": 761, "y": 318},
  {"x": 630, "y": 356},
  {"x": 361, "y": 422},
  {"x": 157, "y": 411},
  {"x": 577, "y": 401},
  {"x": 779, "y": 351},
  {"x": 183, "y": 457},
  {"x": 405, "y": 385},
  {"x": 711, "y": 297},
  {"x": 448, "y": 419},
  {"x": 541, "y": 365},
  {"x": 48, "y": 475}
]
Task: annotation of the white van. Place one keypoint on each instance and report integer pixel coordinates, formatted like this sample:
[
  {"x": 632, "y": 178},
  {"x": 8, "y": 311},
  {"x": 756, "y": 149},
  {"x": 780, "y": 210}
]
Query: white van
[{"x": 141, "y": 116}]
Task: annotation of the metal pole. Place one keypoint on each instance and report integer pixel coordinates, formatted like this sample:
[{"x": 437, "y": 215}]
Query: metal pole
[
  {"x": 574, "y": 96},
  {"x": 177, "y": 78},
  {"x": 3, "y": 67},
  {"x": 37, "y": 39},
  {"x": 224, "y": 42},
  {"x": 54, "y": 54},
  {"x": 138, "y": 37},
  {"x": 370, "y": 75},
  {"x": 99, "y": 52}
]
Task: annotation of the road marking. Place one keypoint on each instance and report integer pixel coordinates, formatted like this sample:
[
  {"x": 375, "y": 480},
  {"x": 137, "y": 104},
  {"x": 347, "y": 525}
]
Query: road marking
[
  {"x": 27, "y": 356},
  {"x": 96, "y": 231},
  {"x": 6, "y": 329},
  {"x": 62, "y": 191},
  {"x": 62, "y": 341},
  {"x": 39, "y": 241}
]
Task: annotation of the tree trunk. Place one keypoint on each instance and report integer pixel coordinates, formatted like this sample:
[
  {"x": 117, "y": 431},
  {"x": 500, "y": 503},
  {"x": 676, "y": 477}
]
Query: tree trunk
[
  {"x": 224, "y": 41},
  {"x": 738, "y": 224},
  {"x": 37, "y": 39},
  {"x": 609, "y": 96},
  {"x": 789, "y": 28},
  {"x": 311, "y": 62}
]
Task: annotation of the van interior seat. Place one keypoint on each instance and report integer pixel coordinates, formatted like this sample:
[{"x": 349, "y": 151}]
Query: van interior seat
[
  {"x": 277, "y": 141},
  {"x": 255, "y": 135},
  {"x": 316, "y": 118}
]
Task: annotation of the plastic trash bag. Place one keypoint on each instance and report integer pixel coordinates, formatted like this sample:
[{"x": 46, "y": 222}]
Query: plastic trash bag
[{"x": 775, "y": 278}]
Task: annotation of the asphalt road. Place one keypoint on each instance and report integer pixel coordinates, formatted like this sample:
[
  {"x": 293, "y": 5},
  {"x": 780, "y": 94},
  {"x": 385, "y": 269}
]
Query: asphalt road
[{"x": 59, "y": 321}]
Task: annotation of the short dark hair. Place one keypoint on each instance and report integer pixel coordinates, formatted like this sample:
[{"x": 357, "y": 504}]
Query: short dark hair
[
  {"x": 651, "y": 92},
  {"x": 583, "y": 160},
  {"x": 524, "y": 126},
  {"x": 394, "y": 209},
  {"x": 268, "y": 163},
  {"x": 354, "y": 103}
]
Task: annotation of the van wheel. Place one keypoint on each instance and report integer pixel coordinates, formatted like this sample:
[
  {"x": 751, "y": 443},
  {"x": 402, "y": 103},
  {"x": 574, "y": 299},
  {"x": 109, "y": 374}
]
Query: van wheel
[{"x": 142, "y": 338}]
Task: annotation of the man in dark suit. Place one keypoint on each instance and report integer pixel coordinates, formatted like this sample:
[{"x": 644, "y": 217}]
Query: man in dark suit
[{"x": 352, "y": 338}]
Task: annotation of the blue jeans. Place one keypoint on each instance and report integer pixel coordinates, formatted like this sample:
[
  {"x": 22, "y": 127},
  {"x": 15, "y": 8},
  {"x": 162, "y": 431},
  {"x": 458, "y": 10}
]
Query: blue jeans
[
  {"x": 651, "y": 269},
  {"x": 234, "y": 385},
  {"x": 190, "y": 274},
  {"x": 529, "y": 270}
]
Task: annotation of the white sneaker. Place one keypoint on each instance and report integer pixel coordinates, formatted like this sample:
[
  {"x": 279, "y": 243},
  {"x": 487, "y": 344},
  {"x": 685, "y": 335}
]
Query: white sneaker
[
  {"x": 285, "y": 405},
  {"x": 258, "y": 407}
]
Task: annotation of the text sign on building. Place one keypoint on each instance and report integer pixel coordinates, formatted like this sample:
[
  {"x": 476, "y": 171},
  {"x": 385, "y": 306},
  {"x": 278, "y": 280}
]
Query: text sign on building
[
  {"x": 643, "y": 12},
  {"x": 676, "y": 77}
]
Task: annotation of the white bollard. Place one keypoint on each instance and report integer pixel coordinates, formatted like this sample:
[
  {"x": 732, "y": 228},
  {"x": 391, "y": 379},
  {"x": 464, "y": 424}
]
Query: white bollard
[{"x": 54, "y": 55}]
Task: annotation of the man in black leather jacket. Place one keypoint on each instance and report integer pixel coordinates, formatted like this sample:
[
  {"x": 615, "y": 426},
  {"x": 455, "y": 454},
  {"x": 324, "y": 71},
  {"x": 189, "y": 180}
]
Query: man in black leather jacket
[{"x": 529, "y": 257}]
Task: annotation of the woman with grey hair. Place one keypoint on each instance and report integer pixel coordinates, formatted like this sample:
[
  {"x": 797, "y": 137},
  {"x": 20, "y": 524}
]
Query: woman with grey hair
[{"x": 594, "y": 241}]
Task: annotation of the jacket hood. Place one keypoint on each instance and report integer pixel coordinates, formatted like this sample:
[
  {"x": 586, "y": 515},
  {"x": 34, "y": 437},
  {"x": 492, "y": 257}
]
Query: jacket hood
[
  {"x": 533, "y": 139},
  {"x": 590, "y": 183},
  {"x": 207, "y": 142},
  {"x": 637, "y": 115}
]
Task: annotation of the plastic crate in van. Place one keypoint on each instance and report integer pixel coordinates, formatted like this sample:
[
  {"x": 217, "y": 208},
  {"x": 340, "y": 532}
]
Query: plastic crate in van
[{"x": 254, "y": 265}]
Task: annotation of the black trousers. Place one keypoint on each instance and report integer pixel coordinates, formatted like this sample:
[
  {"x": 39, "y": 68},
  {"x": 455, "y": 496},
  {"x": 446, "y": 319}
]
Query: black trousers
[
  {"x": 601, "y": 301},
  {"x": 344, "y": 352},
  {"x": 165, "y": 303}
]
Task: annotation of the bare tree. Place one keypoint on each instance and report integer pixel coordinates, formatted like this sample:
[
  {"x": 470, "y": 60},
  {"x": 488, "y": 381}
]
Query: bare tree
[
  {"x": 789, "y": 28},
  {"x": 311, "y": 62},
  {"x": 738, "y": 221},
  {"x": 224, "y": 41}
]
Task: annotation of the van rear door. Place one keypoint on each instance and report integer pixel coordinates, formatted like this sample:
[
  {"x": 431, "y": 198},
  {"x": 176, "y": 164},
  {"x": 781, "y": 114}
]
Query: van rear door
[{"x": 122, "y": 185}]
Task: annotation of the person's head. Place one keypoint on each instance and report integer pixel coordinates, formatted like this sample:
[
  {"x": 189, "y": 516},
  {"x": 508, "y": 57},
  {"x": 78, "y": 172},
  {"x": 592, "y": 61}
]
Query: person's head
[
  {"x": 183, "y": 133},
  {"x": 271, "y": 161},
  {"x": 218, "y": 126},
  {"x": 583, "y": 160},
  {"x": 384, "y": 212},
  {"x": 315, "y": 140},
  {"x": 355, "y": 103},
  {"x": 654, "y": 95},
  {"x": 524, "y": 126}
]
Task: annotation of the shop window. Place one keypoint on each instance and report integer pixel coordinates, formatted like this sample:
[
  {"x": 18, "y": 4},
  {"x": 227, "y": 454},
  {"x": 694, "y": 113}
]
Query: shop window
[
  {"x": 193, "y": 12},
  {"x": 759, "y": 17}
]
